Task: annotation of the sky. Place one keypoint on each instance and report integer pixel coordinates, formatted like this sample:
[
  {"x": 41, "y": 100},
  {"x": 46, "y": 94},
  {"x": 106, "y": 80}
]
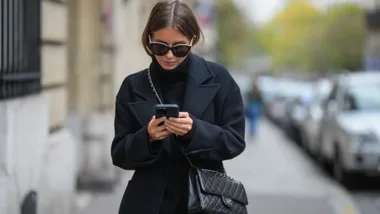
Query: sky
[{"x": 261, "y": 11}]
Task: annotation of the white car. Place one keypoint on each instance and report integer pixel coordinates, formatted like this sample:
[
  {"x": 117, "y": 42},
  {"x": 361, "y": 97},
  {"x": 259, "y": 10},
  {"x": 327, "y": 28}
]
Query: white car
[
  {"x": 314, "y": 112},
  {"x": 350, "y": 127}
]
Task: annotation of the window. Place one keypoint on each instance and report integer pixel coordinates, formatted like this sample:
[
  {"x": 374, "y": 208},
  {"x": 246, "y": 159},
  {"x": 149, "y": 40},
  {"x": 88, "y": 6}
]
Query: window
[
  {"x": 363, "y": 97},
  {"x": 20, "y": 67}
]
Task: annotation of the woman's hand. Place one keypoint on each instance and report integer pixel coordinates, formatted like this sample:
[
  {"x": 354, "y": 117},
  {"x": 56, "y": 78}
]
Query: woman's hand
[
  {"x": 181, "y": 125},
  {"x": 156, "y": 131}
]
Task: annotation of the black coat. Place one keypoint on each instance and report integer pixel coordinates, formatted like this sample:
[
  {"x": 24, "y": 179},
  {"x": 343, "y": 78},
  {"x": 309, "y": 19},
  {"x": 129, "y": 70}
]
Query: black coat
[{"x": 213, "y": 99}]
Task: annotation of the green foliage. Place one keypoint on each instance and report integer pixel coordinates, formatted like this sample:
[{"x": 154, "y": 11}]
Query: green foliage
[
  {"x": 234, "y": 33},
  {"x": 303, "y": 38},
  {"x": 299, "y": 37},
  {"x": 286, "y": 35},
  {"x": 344, "y": 33}
]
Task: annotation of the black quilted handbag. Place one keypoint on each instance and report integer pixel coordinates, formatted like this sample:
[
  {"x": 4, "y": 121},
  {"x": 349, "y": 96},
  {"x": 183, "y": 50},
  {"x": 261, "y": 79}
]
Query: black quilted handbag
[{"x": 215, "y": 193}]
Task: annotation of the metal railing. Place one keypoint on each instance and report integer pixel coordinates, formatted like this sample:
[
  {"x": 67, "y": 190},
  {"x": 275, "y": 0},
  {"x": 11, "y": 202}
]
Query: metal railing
[{"x": 20, "y": 57}]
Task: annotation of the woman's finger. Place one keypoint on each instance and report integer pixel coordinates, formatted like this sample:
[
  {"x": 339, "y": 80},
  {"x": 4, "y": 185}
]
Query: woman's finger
[
  {"x": 184, "y": 115},
  {"x": 159, "y": 128},
  {"x": 179, "y": 131},
  {"x": 174, "y": 129},
  {"x": 177, "y": 125},
  {"x": 181, "y": 120},
  {"x": 159, "y": 120},
  {"x": 171, "y": 130},
  {"x": 164, "y": 134}
]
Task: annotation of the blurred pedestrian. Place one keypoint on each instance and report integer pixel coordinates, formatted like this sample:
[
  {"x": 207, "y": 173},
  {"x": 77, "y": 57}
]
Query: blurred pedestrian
[
  {"x": 210, "y": 127},
  {"x": 253, "y": 108}
]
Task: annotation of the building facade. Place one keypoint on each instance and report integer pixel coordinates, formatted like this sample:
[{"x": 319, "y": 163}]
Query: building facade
[
  {"x": 205, "y": 11},
  {"x": 61, "y": 65},
  {"x": 372, "y": 51}
]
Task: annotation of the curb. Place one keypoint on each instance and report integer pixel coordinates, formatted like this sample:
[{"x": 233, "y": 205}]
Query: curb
[
  {"x": 341, "y": 200},
  {"x": 84, "y": 198}
]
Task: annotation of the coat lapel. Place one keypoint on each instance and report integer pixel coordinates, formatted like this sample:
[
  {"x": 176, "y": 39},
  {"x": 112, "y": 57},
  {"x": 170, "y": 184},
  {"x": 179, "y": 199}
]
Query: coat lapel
[
  {"x": 144, "y": 109},
  {"x": 198, "y": 94}
]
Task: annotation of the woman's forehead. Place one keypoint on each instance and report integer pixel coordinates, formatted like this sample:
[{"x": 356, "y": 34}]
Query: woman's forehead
[{"x": 169, "y": 36}]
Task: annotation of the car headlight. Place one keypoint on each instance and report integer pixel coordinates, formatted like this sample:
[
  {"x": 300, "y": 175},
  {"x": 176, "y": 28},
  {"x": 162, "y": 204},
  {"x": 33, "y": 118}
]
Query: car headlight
[{"x": 368, "y": 138}]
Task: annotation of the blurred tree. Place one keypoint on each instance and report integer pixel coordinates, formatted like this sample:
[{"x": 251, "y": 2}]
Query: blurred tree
[
  {"x": 254, "y": 45},
  {"x": 344, "y": 36},
  {"x": 285, "y": 37},
  {"x": 314, "y": 49},
  {"x": 300, "y": 37},
  {"x": 234, "y": 33}
]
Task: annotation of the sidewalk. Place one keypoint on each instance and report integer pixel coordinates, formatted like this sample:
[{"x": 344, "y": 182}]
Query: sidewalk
[
  {"x": 103, "y": 203},
  {"x": 278, "y": 177}
]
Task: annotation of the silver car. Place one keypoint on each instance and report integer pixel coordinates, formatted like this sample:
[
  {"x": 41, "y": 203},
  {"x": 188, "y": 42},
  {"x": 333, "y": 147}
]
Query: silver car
[
  {"x": 350, "y": 127},
  {"x": 314, "y": 112}
]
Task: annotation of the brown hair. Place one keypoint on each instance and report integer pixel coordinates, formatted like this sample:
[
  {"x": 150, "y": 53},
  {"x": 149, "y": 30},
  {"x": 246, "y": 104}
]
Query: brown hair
[{"x": 175, "y": 14}]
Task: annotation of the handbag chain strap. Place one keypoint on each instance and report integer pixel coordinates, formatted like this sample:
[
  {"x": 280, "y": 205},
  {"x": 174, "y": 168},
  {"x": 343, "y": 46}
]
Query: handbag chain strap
[{"x": 154, "y": 88}]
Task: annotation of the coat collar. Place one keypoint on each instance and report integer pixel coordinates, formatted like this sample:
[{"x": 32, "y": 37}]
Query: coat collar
[
  {"x": 198, "y": 93},
  {"x": 198, "y": 69}
]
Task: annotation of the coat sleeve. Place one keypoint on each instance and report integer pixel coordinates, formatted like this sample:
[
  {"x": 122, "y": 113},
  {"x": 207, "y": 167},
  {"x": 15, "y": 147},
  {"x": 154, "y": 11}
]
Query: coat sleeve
[
  {"x": 224, "y": 141},
  {"x": 129, "y": 149}
]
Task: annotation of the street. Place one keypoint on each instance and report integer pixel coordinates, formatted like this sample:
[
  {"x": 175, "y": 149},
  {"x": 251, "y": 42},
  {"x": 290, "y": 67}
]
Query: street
[{"x": 279, "y": 178}]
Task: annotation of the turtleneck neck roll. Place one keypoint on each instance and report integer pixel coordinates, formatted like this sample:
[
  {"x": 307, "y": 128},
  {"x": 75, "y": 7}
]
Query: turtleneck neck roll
[{"x": 178, "y": 74}]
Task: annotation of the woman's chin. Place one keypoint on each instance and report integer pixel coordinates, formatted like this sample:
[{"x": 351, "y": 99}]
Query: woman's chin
[{"x": 169, "y": 67}]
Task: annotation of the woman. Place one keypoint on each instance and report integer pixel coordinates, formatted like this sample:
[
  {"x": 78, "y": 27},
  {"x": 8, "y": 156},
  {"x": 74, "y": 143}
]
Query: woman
[
  {"x": 210, "y": 127},
  {"x": 253, "y": 109}
]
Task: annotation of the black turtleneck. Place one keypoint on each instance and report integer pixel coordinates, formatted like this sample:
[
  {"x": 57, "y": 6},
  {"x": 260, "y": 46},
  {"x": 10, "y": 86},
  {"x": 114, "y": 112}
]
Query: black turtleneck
[
  {"x": 172, "y": 82},
  {"x": 172, "y": 85}
]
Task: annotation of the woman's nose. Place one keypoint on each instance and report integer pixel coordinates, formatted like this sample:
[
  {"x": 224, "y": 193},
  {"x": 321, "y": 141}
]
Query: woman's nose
[{"x": 169, "y": 54}]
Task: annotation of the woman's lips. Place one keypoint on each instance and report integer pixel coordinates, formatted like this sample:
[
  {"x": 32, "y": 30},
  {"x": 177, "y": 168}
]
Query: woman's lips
[{"x": 170, "y": 63}]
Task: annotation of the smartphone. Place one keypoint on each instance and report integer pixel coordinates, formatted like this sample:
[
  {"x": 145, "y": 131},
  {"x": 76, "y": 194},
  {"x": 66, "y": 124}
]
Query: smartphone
[{"x": 167, "y": 110}]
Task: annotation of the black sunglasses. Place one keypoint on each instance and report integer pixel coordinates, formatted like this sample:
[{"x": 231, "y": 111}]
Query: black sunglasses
[{"x": 161, "y": 49}]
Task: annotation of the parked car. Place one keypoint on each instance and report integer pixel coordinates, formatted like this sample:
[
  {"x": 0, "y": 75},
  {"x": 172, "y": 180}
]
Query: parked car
[
  {"x": 350, "y": 127},
  {"x": 296, "y": 109},
  {"x": 275, "y": 106},
  {"x": 309, "y": 128}
]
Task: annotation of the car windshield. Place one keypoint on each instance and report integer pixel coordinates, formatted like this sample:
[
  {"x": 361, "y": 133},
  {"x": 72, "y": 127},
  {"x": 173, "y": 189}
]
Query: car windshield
[{"x": 365, "y": 96}]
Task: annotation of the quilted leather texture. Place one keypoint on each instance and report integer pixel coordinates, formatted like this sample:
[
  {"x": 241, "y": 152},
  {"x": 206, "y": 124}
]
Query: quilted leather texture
[
  {"x": 218, "y": 193},
  {"x": 217, "y": 183}
]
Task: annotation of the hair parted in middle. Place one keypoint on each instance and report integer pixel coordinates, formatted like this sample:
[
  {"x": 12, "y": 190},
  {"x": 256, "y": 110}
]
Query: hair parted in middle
[{"x": 175, "y": 14}]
